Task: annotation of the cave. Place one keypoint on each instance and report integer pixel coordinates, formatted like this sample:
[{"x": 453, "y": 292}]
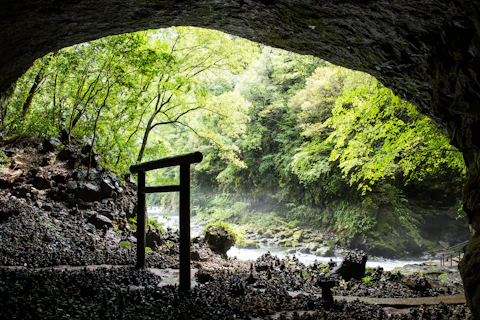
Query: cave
[{"x": 427, "y": 51}]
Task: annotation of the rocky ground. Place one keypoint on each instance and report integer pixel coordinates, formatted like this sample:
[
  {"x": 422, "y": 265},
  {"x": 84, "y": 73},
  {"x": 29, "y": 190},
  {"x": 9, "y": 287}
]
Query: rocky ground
[{"x": 55, "y": 211}]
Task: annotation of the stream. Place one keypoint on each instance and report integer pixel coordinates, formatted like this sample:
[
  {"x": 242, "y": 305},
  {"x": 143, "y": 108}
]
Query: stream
[{"x": 171, "y": 220}]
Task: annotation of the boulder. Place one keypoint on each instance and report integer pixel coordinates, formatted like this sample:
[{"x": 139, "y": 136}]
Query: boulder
[
  {"x": 313, "y": 246},
  {"x": 219, "y": 238},
  {"x": 417, "y": 283},
  {"x": 322, "y": 251},
  {"x": 72, "y": 185},
  {"x": 51, "y": 144},
  {"x": 249, "y": 244},
  {"x": 352, "y": 266},
  {"x": 153, "y": 238},
  {"x": 304, "y": 250},
  {"x": 298, "y": 235},
  {"x": 90, "y": 192},
  {"x": 100, "y": 221},
  {"x": 108, "y": 187}
]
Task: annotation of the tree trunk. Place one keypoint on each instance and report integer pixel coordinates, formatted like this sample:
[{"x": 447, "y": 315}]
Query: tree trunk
[
  {"x": 144, "y": 141},
  {"x": 4, "y": 100},
  {"x": 28, "y": 102}
]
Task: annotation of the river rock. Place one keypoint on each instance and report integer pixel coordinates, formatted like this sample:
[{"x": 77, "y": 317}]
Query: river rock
[
  {"x": 322, "y": 251},
  {"x": 249, "y": 244},
  {"x": 298, "y": 235},
  {"x": 304, "y": 250},
  {"x": 268, "y": 234}
]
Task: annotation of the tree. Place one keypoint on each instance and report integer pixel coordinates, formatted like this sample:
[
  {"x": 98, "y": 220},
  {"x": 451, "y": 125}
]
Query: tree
[
  {"x": 370, "y": 133},
  {"x": 188, "y": 60}
]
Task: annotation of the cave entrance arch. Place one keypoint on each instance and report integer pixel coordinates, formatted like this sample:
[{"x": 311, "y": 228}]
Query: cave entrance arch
[{"x": 426, "y": 51}]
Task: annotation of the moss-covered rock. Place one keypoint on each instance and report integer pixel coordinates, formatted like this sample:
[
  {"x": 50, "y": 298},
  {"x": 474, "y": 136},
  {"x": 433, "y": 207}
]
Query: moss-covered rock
[
  {"x": 290, "y": 251},
  {"x": 248, "y": 244},
  {"x": 298, "y": 235},
  {"x": 219, "y": 237}
]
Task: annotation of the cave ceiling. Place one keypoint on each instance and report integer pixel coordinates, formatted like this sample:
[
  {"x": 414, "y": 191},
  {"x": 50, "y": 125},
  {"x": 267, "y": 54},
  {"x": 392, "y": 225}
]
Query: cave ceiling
[{"x": 426, "y": 50}]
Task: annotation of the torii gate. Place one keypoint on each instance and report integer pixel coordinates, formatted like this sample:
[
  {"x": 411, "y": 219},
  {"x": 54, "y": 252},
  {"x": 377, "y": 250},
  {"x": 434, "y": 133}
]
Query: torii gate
[{"x": 184, "y": 162}]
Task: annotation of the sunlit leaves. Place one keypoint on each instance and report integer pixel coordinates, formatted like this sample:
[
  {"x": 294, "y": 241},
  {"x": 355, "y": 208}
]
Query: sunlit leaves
[{"x": 372, "y": 134}]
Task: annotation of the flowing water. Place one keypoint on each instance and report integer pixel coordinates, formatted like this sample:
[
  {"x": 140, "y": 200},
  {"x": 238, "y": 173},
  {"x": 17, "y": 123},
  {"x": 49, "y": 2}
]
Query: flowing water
[{"x": 171, "y": 220}]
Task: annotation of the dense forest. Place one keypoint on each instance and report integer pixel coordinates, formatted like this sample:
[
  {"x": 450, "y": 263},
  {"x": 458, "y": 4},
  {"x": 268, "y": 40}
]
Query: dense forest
[{"x": 286, "y": 138}]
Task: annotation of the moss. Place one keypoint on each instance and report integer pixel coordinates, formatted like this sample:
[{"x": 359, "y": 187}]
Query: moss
[
  {"x": 247, "y": 244},
  {"x": 298, "y": 235},
  {"x": 221, "y": 225},
  {"x": 443, "y": 277},
  {"x": 125, "y": 244}
]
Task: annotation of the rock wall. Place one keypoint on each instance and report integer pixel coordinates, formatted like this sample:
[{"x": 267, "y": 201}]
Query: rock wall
[{"x": 426, "y": 50}]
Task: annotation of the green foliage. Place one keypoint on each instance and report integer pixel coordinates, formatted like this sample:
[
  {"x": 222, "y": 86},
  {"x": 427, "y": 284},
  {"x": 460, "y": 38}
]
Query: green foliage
[
  {"x": 3, "y": 159},
  {"x": 148, "y": 249},
  {"x": 285, "y": 138},
  {"x": 370, "y": 133},
  {"x": 125, "y": 244},
  {"x": 151, "y": 223},
  {"x": 367, "y": 280}
]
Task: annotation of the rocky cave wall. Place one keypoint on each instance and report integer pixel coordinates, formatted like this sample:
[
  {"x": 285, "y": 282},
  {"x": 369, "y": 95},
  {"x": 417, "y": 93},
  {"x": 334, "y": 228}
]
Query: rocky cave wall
[{"x": 425, "y": 50}]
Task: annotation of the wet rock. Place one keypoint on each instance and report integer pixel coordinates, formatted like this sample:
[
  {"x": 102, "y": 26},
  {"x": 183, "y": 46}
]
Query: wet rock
[{"x": 322, "y": 251}]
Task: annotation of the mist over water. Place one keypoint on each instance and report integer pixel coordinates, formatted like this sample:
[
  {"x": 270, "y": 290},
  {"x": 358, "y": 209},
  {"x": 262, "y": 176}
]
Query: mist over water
[{"x": 171, "y": 220}]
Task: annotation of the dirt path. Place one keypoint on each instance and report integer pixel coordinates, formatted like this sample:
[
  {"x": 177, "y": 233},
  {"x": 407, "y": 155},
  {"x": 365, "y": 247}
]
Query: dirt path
[{"x": 407, "y": 302}]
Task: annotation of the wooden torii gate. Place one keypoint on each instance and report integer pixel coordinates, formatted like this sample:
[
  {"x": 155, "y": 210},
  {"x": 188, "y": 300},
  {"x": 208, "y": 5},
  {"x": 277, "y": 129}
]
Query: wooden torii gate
[{"x": 184, "y": 162}]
